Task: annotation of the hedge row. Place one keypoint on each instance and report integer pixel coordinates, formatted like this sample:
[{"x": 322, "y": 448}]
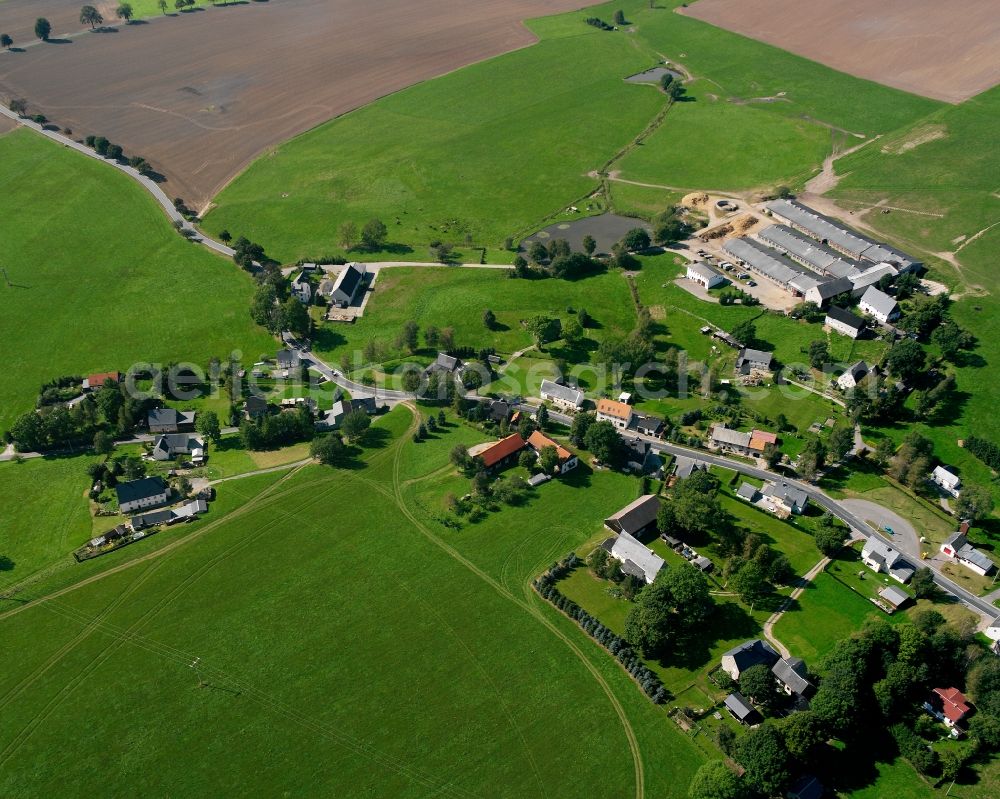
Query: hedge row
[
  {"x": 986, "y": 451},
  {"x": 617, "y": 646}
]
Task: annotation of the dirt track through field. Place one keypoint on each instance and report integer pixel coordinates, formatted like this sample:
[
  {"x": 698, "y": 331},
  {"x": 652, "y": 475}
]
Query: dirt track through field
[
  {"x": 200, "y": 95},
  {"x": 943, "y": 50}
]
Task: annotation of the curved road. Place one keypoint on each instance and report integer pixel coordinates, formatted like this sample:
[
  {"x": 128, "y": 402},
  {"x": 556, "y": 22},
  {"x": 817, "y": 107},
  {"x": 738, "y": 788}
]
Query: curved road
[{"x": 839, "y": 509}]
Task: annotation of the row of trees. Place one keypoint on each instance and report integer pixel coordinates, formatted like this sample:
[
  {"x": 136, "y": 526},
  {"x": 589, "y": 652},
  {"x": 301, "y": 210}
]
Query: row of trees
[{"x": 617, "y": 646}]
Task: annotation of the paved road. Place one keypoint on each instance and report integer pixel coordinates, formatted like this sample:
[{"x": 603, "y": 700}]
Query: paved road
[
  {"x": 903, "y": 535},
  {"x": 839, "y": 509}
]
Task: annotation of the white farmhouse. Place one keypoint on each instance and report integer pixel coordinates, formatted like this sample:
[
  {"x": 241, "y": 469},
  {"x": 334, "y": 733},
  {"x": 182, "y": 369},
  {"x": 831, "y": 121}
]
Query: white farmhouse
[
  {"x": 946, "y": 480},
  {"x": 879, "y": 305},
  {"x": 704, "y": 275}
]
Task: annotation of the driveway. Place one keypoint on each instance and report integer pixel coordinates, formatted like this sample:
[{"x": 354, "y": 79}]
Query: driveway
[{"x": 903, "y": 536}]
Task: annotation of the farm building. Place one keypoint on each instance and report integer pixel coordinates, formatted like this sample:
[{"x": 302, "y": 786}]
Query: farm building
[
  {"x": 145, "y": 493},
  {"x": 854, "y": 375},
  {"x": 946, "y": 479},
  {"x": 878, "y": 556},
  {"x": 879, "y": 305},
  {"x": 636, "y": 559},
  {"x": 704, "y": 275},
  {"x": 502, "y": 452},
  {"x": 560, "y": 395},
  {"x": 618, "y": 413},
  {"x": 957, "y": 547},
  {"x": 894, "y": 598},
  {"x": 760, "y": 440},
  {"x": 808, "y": 252},
  {"x": 636, "y": 517},
  {"x": 750, "y": 653},
  {"x": 844, "y": 322},
  {"x": 825, "y": 291},
  {"x": 167, "y": 420},
  {"x": 342, "y": 291},
  {"x": 750, "y": 359},
  {"x": 871, "y": 277},
  {"x": 741, "y": 710},
  {"x": 837, "y": 236},
  {"x": 764, "y": 261}
]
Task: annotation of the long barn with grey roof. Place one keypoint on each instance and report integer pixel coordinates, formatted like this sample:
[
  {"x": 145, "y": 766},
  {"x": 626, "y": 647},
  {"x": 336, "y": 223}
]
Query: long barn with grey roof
[
  {"x": 808, "y": 252},
  {"x": 764, "y": 261},
  {"x": 842, "y": 239}
]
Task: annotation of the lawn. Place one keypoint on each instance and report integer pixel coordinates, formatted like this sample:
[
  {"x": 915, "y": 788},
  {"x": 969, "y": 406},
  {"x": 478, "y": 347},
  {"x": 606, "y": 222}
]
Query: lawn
[
  {"x": 45, "y": 514},
  {"x": 322, "y": 582},
  {"x": 98, "y": 280},
  {"x": 451, "y": 297}
]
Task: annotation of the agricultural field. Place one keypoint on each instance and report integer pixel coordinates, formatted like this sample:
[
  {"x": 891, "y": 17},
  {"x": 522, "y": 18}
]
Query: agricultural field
[
  {"x": 100, "y": 281},
  {"x": 865, "y": 50},
  {"x": 200, "y": 120},
  {"x": 452, "y": 639}
]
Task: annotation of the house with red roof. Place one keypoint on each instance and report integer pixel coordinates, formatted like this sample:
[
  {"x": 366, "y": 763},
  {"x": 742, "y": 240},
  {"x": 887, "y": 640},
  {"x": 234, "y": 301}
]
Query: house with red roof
[
  {"x": 503, "y": 452},
  {"x": 950, "y": 706},
  {"x": 567, "y": 460},
  {"x": 97, "y": 380}
]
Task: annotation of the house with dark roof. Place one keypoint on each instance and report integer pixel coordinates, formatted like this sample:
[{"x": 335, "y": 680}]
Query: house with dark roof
[
  {"x": 685, "y": 467},
  {"x": 646, "y": 424},
  {"x": 741, "y": 710},
  {"x": 641, "y": 458},
  {"x": 854, "y": 375},
  {"x": 287, "y": 359},
  {"x": 957, "y": 547},
  {"x": 785, "y": 498},
  {"x": 342, "y": 291},
  {"x": 333, "y": 417},
  {"x": 147, "y": 492},
  {"x": 750, "y": 653},
  {"x": 168, "y": 420},
  {"x": 636, "y": 558},
  {"x": 792, "y": 676},
  {"x": 301, "y": 288},
  {"x": 170, "y": 445},
  {"x": 446, "y": 364},
  {"x": 636, "y": 517},
  {"x": 748, "y": 492},
  {"x": 844, "y": 322},
  {"x": 498, "y": 411},
  {"x": 255, "y": 407}
]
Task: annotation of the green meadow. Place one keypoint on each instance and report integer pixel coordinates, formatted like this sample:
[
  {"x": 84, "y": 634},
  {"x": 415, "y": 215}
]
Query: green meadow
[
  {"x": 483, "y": 165},
  {"x": 98, "y": 280},
  {"x": 351, "y": 641}
]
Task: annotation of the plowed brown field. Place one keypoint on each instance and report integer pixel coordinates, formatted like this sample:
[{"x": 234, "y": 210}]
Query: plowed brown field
[
  {"x": 201, "y": 94},
  {"x": 943, "y": 49}
]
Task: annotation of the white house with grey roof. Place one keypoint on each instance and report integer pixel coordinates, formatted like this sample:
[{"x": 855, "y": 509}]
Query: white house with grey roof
[
  {"x": 792, "y": 676},
  {"x": 880, "y": 557},
  {"x": 879, "y": 305},
  {"x": 749, "y": 359},
  {"x": 560, "y": 395},
  {"x": 636, "y": 559},
  {"x": 957, "y": 547},
  {"x": 704, "y": 275},
  {"x": 785, "y": 498},
  {"x": 750, "y": 653},
  {"x": 947, "y": 480},
  {"x": 343, "y": 290},
  {"x": 854, "y": 375},
  {"x": 729, "y": 440}
]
